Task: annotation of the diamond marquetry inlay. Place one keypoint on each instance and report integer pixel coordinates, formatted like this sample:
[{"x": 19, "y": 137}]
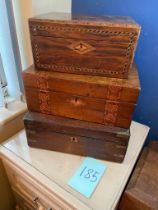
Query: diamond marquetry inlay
[{"x": 81, "y": 47}]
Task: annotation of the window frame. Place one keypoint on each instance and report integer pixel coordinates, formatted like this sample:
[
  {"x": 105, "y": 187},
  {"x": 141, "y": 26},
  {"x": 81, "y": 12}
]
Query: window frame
[{"x": 10, "y": 68}]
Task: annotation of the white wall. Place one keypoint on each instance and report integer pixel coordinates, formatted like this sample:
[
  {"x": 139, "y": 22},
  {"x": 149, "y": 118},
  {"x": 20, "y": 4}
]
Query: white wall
[
  {"x": 41, "y": 6},
  {"x": 25, "y": 9}
]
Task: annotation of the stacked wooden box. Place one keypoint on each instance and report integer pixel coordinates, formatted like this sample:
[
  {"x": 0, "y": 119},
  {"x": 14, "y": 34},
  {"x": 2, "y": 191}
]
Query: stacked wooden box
[
  {"x": 141, "y": 193},
  {"x": 83, "y": 89}
]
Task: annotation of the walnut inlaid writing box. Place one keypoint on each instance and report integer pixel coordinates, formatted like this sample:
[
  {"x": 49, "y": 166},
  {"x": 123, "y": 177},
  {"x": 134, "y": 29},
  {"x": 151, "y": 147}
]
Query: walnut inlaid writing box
[
  {"x": 76, "y": 137},
  {"x": 108, "y": 101},
  {"x": 84, "y": 45}
]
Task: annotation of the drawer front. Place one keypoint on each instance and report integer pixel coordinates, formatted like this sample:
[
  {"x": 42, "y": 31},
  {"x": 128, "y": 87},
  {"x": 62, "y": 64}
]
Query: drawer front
[
  {"x": 33, "y": 193},
  {"x": 101, "y": 111},
  {"x": 22, "y": 203}
]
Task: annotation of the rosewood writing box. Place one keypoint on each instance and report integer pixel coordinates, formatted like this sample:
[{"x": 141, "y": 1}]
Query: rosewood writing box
[
  {"x": 77, "y": 44},
  {"x": 103, "y": 100},
  {"x": 76, "y": 137}
]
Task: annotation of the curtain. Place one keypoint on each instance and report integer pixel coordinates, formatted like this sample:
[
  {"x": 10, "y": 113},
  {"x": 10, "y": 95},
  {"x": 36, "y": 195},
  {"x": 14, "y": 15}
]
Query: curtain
[{"x": 8, "y": 55}]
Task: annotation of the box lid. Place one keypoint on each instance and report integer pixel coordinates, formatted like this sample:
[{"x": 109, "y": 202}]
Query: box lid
[
  {"x": 125, "y": 90},
  {"x": 123, "y": 21}
]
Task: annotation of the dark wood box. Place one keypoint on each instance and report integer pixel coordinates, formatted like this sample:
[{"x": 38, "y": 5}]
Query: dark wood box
[
  {"x": 103, "y": 100},
  {"x": 141, "y": 192},
  {"x": 84, "y": 45},
  {"x": 76, "y": 137}
]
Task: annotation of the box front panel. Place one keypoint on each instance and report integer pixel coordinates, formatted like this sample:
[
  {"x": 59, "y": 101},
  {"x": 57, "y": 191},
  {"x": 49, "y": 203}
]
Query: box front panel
[
  {"x": 83, "y": 108},
  {"x": 112, "y": 49},
  {"x": 74, "y": 144}
]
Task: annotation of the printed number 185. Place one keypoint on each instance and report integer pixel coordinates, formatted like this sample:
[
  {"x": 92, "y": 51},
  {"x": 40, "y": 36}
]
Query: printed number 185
[{"x": 90, "y": 174}]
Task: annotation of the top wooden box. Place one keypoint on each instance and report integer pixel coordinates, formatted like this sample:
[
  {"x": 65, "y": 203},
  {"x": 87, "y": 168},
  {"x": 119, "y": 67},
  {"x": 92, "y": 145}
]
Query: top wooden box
[{"x": 77, "y": 44}]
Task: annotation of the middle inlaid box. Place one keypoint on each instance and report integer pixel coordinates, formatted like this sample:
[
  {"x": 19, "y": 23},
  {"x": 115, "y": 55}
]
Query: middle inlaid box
[{"x": 107, "y": 101}]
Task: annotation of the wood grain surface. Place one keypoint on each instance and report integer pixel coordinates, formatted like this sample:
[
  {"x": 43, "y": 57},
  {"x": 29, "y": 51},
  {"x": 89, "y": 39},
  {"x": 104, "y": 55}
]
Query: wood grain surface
[
  {"x": 65, "y": 44},
  {"x": 142, "y": 191},
  {"x": 76, "y": 137},
  {"x": 91, "y": 98}
]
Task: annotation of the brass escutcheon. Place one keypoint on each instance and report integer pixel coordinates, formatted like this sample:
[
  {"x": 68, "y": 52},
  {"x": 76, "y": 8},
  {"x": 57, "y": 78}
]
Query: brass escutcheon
[{"x": 74, "y": 139}]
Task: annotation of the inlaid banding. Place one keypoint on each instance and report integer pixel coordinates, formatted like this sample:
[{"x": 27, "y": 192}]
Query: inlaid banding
[{"x": 71, "y": 68}]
